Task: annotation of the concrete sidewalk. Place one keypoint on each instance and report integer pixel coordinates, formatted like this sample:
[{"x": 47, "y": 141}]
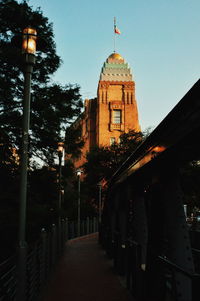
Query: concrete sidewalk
[{"x": 85, "y": 274}]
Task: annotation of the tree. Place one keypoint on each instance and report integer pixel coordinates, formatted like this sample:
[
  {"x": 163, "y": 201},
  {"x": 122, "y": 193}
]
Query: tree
[
  {"x": 102, "y": 162},
  {"x": 8, "y": 170},
  {"x": 73, "y": 140},
  {"x": 53, "y": 110},
  {"x": 53, "y": 106}
]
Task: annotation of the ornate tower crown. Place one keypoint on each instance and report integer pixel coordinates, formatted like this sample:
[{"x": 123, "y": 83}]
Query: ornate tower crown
[{"x": 116, "y": 69}]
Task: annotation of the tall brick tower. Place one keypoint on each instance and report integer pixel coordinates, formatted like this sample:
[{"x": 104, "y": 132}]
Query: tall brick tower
[
  {"x": 116, "y": 104},
  {"x": 114, "y": 111}
]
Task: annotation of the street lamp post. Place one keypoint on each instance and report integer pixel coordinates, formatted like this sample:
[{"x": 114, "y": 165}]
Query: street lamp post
[
  {"x": 28, "y": 50},
  {"x": 100, "y": 203},
  {"x": 60, "y": 155},
  {"x": 60, "y": 192},
  {"x": 78, "y": 173}
]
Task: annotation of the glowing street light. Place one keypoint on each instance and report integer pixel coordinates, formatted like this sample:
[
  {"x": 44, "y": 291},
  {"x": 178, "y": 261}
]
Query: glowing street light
[
  {"x": 60, "y": 193},
  {"x": 100, "y": 202},
  {"x": 60, "y": 156},
  {"x": 78, "y": 173},
  {"x": 60, "y": 148},
  {"x": 29, "y": 37}
]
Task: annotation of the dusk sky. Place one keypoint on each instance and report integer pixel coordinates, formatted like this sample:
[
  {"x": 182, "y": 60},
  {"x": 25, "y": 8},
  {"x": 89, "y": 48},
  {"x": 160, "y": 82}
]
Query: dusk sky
[{"x": 160, "y": 39}]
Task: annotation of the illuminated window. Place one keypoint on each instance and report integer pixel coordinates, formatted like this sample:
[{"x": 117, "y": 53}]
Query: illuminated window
[
  {"x": 112, "y": 140},
  {"x": 117, "y": 116}
]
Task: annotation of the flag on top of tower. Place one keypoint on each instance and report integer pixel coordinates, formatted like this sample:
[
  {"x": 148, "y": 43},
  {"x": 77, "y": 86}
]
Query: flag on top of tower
[{"x": 116, "y": 30}]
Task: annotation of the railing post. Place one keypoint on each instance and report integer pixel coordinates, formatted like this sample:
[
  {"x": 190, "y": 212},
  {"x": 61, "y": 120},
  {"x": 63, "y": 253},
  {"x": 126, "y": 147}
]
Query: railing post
[
  {"x": 88, "y": 225},
  {"x": 62, "y": 236},
  {"x": 66, "y": 229},
  {"x": 128, "y": 265},
  {"x": 195, "y": 287},
  {"x": 53, "y": 245},
  {"x": 94, "y": 224},
  {"x": 59, "y": 236},
  {"x": 43, "y": 257},
  {"x": 137, "y": 277},
  {"x": 22, "y": 273},
  {"x": 72, "y": 229},
  {"x": 63, "y": 233},
  {"x": 82, "y": 228},
  {"x": 115, "y": 250}
]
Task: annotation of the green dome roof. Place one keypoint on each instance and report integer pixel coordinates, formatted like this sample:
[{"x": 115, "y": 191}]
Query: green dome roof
[{"x": 115, "y": 69}]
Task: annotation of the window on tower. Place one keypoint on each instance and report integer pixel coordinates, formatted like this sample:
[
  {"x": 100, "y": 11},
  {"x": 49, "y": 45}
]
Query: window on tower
[{"x": 117, "y": 116}]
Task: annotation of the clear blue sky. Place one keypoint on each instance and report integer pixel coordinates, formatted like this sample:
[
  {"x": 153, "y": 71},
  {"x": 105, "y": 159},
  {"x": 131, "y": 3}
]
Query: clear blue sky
[{"x": 160, "y": 40}]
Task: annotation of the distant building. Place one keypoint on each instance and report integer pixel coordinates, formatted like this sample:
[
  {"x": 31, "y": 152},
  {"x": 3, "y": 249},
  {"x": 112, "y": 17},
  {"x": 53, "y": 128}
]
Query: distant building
[{"x": 114, "y": 111}]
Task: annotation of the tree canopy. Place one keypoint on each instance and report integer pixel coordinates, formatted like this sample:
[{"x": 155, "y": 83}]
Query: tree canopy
[
  {"x": 53, "y": 106},
  {"x": 103, "y": 161}
]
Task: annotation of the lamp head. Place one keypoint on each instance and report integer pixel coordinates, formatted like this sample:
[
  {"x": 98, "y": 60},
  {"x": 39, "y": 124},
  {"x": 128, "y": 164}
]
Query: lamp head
[
  {"x": 29, "y": 37},
  {"x": 60, "y": 147},
  {"x": 78, "y": 172}
]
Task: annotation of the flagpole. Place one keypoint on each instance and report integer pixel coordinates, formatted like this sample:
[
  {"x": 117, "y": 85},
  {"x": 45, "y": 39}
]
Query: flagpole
[{"x": 114, "y": 34}]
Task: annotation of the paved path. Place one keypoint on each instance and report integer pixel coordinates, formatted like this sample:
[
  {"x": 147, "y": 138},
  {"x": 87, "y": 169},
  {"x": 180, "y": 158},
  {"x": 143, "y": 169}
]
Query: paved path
[{"x": 85, "y": 274}]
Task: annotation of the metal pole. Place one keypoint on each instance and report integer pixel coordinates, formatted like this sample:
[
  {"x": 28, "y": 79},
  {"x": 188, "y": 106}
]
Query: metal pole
[
  {"x": 59, "y": 202},
  {"x": 114, "y": 34},
  {"x": 59, "y": 182},
  {"x": 100, "y": 187},
  {"x": 22, "y": 247},
  {"x": 79, "y": 203}
]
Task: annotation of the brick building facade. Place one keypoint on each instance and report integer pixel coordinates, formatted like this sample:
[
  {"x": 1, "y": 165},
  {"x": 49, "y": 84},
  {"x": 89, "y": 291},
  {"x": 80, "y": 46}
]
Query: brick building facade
[{"x": 114, "y": 111}]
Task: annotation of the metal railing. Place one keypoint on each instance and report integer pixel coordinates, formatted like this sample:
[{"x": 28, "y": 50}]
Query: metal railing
[
  {"x": 170, "y": 279},
  {"x": 135, "y": 274},
  {"x": 8, "y": 279},
  {"x": 127, "y": 261},
  {"x": 41, "y": 259},
  {"x": 133, "y": 268},
  {"x": 143, "y": 215}
]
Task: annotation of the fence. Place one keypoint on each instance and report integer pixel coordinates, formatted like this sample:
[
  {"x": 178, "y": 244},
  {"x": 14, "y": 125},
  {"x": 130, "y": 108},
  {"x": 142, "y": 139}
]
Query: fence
[
  {"x": 168, "y": 271},
  {"x": 41, "y": 259}
]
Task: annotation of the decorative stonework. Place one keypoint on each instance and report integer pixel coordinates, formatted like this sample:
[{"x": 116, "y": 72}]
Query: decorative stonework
[
  {"x": 116, "y": 105},
  {"x": 115, "y": 97},
  {"x": 115, "y": 69}
]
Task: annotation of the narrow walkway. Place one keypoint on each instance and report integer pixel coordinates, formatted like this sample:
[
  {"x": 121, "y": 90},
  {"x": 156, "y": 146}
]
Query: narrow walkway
[{"x": 85, "y": 274}]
